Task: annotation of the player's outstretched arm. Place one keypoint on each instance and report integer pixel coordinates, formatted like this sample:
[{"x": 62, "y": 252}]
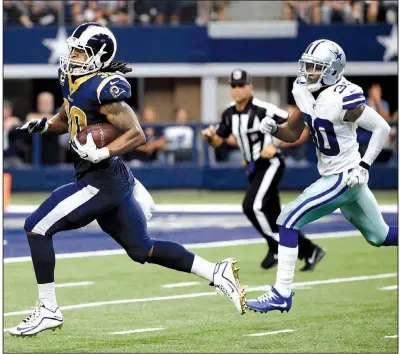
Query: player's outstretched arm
[
  {"x": 58, "y": 124},
  {"x": 289, "y": 131},
  {"x": 124, "y": 118}
]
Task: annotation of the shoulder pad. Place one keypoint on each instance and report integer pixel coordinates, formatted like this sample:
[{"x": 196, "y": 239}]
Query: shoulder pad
[
  {"x": 112, "y": 87},
  {"x": 352, "y": 97}
]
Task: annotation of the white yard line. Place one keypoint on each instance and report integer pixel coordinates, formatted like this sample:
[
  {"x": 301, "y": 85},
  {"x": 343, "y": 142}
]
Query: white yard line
[
  {"x": 189, "y": 208},
  {"x": 67, "y": 285},
  {"x": 395, "y": 336},
  {"x": 269, "y": 333},
  {"x": 142, "y": 330},
  {"x": 331, "y": 281},
  {"x": 230, "y": 243},
  {"x": 391, "y": 287},
  {"x": 189, "y": 296},
  {"x": 180, "y": 285},
  {"x": 117, "y": 302}
]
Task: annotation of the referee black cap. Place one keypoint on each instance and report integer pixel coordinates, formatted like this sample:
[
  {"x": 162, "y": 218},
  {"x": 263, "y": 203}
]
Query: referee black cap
[{"x": 240, "y": 76}]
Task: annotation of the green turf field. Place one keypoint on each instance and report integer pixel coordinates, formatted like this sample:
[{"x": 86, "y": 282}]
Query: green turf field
[
  {"x": 196, "y": 196},
  {"x": 339, "y": 317}
]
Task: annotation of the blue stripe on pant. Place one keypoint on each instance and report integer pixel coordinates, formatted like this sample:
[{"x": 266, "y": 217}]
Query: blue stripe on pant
[{"x": 309, "y": 200}]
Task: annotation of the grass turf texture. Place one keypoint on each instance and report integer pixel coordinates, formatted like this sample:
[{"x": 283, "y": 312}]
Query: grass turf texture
[
  {"x": 343, "y": 317},
  {"x": 196, "y": 196}
]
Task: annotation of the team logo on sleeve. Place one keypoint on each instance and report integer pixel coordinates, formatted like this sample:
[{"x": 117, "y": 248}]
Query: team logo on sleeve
[{"x": 116, "y": 91}]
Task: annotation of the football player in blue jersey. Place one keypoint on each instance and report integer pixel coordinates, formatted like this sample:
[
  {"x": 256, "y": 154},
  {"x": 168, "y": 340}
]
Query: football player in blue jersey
[{"x": 94, "y": 91}]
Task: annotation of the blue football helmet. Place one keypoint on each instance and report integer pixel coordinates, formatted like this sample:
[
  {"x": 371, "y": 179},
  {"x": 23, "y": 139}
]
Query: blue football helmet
[{"x": 99, "y": 44}]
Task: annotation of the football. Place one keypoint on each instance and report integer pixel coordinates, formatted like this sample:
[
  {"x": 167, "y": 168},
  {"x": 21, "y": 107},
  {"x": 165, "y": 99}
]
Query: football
[{"x": 103, "y": 134}]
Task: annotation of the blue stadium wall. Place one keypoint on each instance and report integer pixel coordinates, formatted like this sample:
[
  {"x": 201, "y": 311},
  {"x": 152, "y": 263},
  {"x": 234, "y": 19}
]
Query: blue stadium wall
[
  {"x": 199, "y": 45},
  {"x": 185, "y": 177}
]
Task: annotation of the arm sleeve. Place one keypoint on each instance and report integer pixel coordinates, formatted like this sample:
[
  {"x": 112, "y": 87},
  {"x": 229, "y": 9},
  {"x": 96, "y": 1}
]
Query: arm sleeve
[
  {"x": 223, "y": 128},
  {"x": 113, "y": 88},
  {"x": 280, "y": 116},
  {"x": 374, "y": 122}
]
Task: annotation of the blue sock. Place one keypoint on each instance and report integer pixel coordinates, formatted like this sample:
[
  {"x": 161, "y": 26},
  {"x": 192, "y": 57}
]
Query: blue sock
[
  {"x": 288, "y": 237},
  {"x": 171, "y": 255},
  {"x": 43, "y": 257},
  {"x": 392, "y": 238}
]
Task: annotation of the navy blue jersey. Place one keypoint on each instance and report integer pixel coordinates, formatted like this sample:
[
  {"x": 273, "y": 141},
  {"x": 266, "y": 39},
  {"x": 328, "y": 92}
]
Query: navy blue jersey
[
  {"x": 83, "y": 98},
  {"x": 103, "y": 191}
]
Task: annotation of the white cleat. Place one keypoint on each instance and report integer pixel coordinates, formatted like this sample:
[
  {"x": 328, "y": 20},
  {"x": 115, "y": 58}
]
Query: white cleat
[
  {"x": 39, "y": 320},
  {"x": 226, "y": 282}
]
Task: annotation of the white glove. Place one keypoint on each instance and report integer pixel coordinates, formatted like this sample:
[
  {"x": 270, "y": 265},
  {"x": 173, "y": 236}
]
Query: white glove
[
  {"x": 268, "y": 126},
  {"x": 35, "y": 126},
  {"x": 357, "y": 177},
  {"x": 89, "y": 151}
]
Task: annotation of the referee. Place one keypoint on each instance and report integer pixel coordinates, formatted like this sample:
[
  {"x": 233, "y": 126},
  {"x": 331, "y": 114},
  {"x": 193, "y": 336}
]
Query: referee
[{"x": 265, "y": 165}]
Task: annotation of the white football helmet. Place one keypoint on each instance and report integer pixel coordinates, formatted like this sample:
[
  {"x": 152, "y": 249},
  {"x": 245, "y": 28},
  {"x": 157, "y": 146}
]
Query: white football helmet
[
  {"x": 322, "y": 64},
  {"x": 99, "y": 44}
]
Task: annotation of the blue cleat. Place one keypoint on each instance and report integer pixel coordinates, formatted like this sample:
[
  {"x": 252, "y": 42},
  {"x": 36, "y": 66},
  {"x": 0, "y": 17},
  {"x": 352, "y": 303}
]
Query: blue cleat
[{"x": 270, "y": 301}]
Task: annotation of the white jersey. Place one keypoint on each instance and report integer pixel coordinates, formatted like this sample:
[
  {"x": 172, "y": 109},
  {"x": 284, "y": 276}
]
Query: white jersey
[{"x": 335, "y": 140}]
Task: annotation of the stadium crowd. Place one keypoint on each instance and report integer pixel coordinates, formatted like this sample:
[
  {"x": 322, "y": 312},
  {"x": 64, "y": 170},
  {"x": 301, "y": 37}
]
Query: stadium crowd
[{"x": 31, "y": 13}]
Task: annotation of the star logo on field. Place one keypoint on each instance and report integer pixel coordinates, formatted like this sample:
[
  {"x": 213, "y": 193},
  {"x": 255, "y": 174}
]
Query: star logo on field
[
  {"x": 58, "y": 46},
  {"x": 390, "y": 44}
]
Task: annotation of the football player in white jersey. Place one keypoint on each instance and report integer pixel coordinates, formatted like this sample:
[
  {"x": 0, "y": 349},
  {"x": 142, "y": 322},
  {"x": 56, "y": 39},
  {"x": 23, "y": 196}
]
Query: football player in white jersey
[{"x": 332, "y": 108}]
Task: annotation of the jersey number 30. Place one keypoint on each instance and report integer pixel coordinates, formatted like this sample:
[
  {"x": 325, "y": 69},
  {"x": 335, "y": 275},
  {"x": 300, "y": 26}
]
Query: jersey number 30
[
  {"x": 76, "y": 120},
  {"x": 323, "y": 135}
]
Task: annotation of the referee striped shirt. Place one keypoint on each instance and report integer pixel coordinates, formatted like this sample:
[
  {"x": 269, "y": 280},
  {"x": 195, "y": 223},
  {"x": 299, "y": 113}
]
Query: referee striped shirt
[{"x": 245, "y": 126}]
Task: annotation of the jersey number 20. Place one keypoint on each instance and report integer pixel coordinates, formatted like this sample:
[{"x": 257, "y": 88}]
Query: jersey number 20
[
  {"x": 76, "y": 120},
  {"x": 323, "y": 135}
]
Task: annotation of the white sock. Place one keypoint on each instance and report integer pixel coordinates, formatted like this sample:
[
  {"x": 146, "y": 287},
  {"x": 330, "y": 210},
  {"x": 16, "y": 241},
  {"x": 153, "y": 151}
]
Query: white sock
[
  {"x": 286, "y": 264},
  {"x": 203, "y": 268},
  {"x": 47, "y": 295}
]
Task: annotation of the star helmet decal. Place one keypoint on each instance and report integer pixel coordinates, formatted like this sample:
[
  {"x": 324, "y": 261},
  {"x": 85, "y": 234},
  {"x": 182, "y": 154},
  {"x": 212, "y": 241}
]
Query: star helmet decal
[{"x": 338, "y": 55}]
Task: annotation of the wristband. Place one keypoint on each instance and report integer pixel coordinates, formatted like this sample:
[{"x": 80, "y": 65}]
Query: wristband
[
  {"x": 364, "y": 165},
  {"x": 103, "y": 153}
]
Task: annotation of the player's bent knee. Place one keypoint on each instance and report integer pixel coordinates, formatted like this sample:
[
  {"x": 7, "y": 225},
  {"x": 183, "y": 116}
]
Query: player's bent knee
[
  {"x": 29, "y": 233},
  {"x": 29, "y": 225},
  {"x": 375, "y": 239},
  {"x": 281, "y": 219},
  {"x": 140, "y": 254}
]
